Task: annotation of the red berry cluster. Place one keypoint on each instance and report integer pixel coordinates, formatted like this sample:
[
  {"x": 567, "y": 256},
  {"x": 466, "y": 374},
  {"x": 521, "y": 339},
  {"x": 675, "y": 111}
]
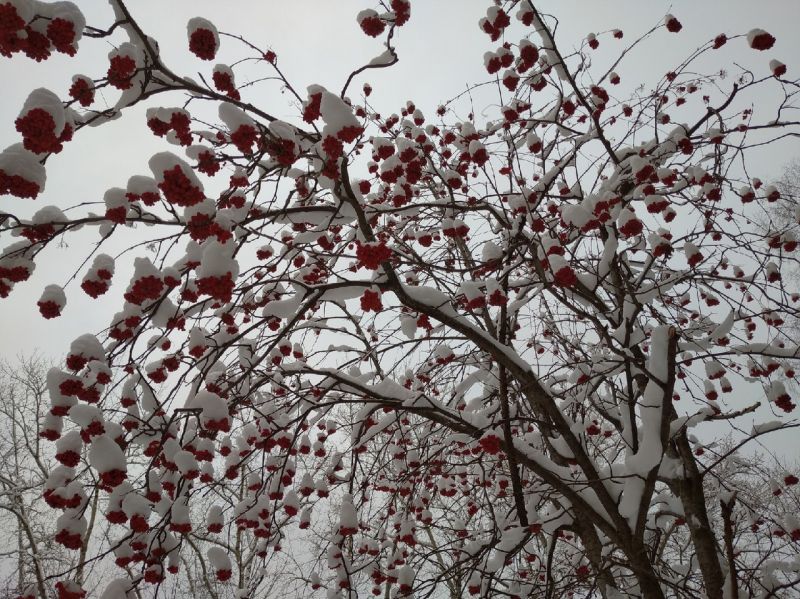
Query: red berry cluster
[
  {"x": 284, "y": 151},
  {"x": 117, "y": 215},
  {"x": 332, "y": 147},
  {"x": 372, "y": 25},
  {"x": 61, "y": 33},
  {"x": 244, "y": 137},
  {"x": 498, "y": 298},
  {"x": 70, "y": 541},
  {"x": 82, "y": 91},
  {"x": 495, "y": 27},
  {"x": 17, "y": 36},
  {"x": 312, "y": 108},
  {"x": 121, "y": 71},
  {"x": 203, "y": 226},
  {"x": 220, "y": 288},
  {"x": 785, "y": 403},
  {"x": 15, "y": 274},
  {"x": 178, "y": 189},
  {"x": 113, "y": 478},
  {"x": 178, "y": 122},
  {"x": 49, "y": 309},
  {"x": 17, "y": 186},
  {"x": 143, "y": 289},
  {"x": 631, "y": 227},
  {"x": 402, "y": 11},
  {"x": 203, "y": 44},
  {"x": 371, "y": 300},
  {"x": 38, "y": 132},
  {"x": 94, "y": 288},
  {"x": 370, "y": 255},
  {"x": 674, "y": 25},
  {"x": 222, "y": 425},
  {"x": 224, "y": 83},
  {"x": 565, "y": 277},
  {"x": 69, "y": 458},
  {"x": 490, "y": 444},
  {"x": 762, "y": 41},
  {"x": 207, "y": 163}
]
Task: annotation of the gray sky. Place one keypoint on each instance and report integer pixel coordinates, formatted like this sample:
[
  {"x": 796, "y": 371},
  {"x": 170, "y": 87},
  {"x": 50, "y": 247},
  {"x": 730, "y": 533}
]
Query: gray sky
[{"x": 318, "y": 41}]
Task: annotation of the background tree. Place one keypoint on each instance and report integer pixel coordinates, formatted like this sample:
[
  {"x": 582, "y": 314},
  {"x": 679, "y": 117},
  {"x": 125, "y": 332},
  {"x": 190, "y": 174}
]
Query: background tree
[
  {"x": 789, "y": 186},
  {"x": 431, "y": 355},
  {"x": 785, "y": 216},
  {"x": 30, "y": 554}
]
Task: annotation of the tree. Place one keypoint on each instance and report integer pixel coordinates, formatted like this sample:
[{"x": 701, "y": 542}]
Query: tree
[
  {"x": 28, "y": 529},
  {"x": 30, "y": 555},
  {"x": 420, "y": 353},
  {"x": 781, "y": 217},
  {"x": 787, "y": 215},
  {"x": 789, "y": 186}
]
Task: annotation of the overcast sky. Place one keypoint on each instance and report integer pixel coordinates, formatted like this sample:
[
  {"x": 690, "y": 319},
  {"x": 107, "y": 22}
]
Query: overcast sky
[{"x": 318, "y": 41}]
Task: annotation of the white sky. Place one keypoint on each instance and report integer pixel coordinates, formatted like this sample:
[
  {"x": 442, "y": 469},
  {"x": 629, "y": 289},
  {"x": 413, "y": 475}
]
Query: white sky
[{"x": 318, "y": 41}]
